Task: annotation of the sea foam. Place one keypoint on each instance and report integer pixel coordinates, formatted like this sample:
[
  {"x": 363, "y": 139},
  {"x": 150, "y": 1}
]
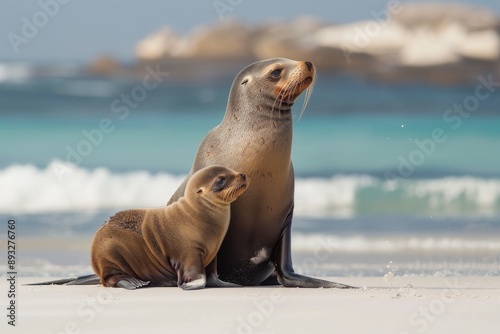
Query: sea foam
[{"x": 29, "y": 189}]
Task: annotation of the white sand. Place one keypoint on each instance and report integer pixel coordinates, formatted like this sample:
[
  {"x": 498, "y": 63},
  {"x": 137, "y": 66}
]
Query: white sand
[{"x": 402, "y": 305}]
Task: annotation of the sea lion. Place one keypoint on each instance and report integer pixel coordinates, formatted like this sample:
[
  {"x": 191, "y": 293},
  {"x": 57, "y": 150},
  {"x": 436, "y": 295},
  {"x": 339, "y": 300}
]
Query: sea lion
[
  {"x": 170, "y": 245},
  {"x": 255, "y": 137}
]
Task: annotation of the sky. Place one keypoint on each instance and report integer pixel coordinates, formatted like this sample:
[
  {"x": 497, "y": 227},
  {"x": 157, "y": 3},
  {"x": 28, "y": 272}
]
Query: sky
[{"x": 48, "y": 31}]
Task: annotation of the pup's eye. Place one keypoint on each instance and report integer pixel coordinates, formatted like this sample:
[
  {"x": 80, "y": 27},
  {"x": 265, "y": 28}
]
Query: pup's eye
[
  {"x": 219, "y": 184},
  {"x": 276, "y": 73}
]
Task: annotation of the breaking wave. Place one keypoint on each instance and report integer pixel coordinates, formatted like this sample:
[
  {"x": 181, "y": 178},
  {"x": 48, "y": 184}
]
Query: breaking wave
[{"x": 58, "y": 188}]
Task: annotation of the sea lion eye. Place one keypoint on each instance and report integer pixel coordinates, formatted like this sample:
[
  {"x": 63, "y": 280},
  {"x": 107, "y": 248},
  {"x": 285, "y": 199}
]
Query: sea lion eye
[
  {"x": 219, "y": 184},
  {"x": 276, "y": 73}
]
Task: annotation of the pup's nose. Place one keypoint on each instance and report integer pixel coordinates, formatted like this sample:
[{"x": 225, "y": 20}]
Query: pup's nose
[
  {"x": 309, "y": 65},
  {"x": 243, "y": 176}
]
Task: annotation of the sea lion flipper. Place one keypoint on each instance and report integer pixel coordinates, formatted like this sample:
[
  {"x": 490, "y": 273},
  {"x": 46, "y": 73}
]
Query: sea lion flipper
[
  {"x": 198, "y": 283},
  {"x": 293, "y": 280},
  {"x": 194, "y": 277},
  {"x": 286, "y": 275},
  {"x": 131, "y": 283},
  {"x": 217, "y": 283},
  {"x": 81, "y": 280}
]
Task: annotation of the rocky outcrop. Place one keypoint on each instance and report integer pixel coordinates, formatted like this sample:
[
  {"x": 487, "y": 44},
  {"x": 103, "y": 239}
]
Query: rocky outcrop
[
  {"x": 162, "y": 44},
  {"x": 444, "y": 43},
  {"x": 414, "y": 15},
  {"x": 228, "y": 40}
]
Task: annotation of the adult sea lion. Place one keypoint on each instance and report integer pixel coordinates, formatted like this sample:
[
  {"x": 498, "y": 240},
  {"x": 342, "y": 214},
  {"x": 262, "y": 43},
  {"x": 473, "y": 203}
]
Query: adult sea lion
[
  {"x": 170, "y": 245},
  {"x": 255, "y": 137}
]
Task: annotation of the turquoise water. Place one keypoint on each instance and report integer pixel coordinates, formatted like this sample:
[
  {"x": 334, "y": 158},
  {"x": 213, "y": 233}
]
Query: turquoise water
[{"x": 349, "y": 127}]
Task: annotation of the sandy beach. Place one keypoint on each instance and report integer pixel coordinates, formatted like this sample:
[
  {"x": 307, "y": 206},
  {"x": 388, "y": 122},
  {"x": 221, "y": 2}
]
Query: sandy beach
[{"x": 397, "y": 305}]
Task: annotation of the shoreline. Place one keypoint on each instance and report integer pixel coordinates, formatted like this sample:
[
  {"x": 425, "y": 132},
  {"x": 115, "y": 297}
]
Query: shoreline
[{"x": 322, "y": 253}]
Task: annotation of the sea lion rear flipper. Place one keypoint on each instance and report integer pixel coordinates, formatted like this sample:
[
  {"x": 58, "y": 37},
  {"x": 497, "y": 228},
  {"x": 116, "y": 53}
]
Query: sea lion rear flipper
[
  {"x": 217, "y": 283},
  {"x": 81, "y": 280},
  {"x": 286, "y": 275},
  {"x": 271, "y": 280},
  {"x": 131, "y": 283},
  {"x": 213, "y": 278}
]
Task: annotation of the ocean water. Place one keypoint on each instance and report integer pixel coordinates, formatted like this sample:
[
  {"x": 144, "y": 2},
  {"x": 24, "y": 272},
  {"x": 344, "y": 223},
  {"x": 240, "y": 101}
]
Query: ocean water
[{"x": 389, "y": 178}]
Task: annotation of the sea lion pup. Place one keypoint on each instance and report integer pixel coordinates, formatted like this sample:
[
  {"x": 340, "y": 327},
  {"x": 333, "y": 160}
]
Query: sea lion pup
[
  {"x": 255, "y": 137},
  {"x": 171, "y": 245}
]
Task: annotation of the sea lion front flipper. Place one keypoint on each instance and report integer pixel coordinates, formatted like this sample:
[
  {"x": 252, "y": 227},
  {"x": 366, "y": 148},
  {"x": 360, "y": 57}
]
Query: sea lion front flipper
[
  {"x": 213, "y": 278},
  {"x": 192, "y": 278},
  {"x": 197, "y": 283},
  {"x": 286, "y": 275},
  {"x": 131, "y": 283}
]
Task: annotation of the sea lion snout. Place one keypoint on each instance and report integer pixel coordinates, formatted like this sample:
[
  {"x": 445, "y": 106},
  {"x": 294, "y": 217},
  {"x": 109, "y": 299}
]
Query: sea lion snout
[
  {"x": 238, "y": 186},
  {"x": 221, "y": 184},
  {"x": 309, "y": 65},
  {"x": 244, "y": 180},
  {"x": 308, "y": 72},
  {"x": 296, "y": 77}
]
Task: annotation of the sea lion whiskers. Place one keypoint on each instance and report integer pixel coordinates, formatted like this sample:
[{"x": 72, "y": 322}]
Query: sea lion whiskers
[
  {"x": 309, "y": 91},
  {"x": 277, "y": 98},
  {"x": 288, "y": 93},
  {"x": 280, "y": 96},
  {"x": 229, "y": 194}
]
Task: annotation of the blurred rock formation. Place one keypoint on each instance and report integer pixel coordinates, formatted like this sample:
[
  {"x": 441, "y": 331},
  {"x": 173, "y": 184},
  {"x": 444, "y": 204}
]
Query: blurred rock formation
[{"x": 438, "y": 43}]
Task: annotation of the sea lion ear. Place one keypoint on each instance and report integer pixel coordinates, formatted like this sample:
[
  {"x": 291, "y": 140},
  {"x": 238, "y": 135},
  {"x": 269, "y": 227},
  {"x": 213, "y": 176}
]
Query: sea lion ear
[
  {"x": 199, "y": 191},
  {"x": 245, "y": 81}
]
